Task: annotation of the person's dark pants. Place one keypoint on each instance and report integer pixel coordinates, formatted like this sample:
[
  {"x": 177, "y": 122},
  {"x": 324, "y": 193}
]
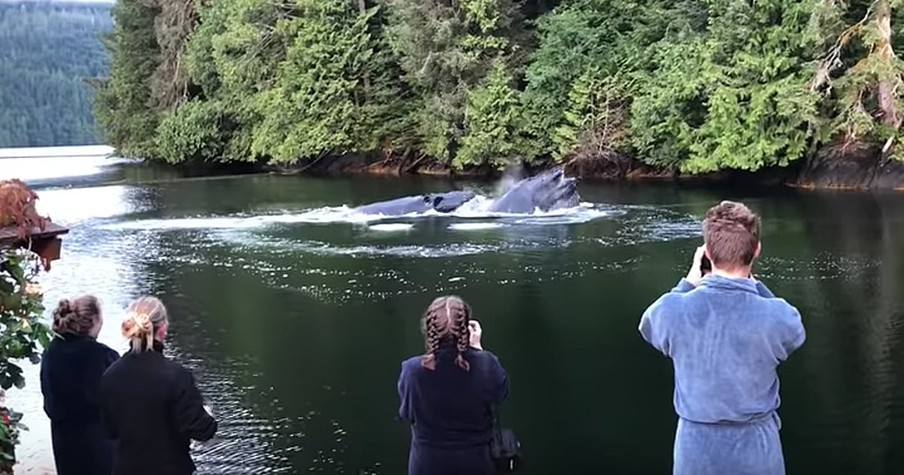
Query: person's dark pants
[
  {"x": 426, "y": 460},
  {"x": 80, "y": 449}
]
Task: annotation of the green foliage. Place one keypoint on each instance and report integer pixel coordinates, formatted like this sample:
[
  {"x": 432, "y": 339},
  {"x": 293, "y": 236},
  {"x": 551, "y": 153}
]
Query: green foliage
[
  {"x": 447, "y": 49},
  {"x": 123, "y": 102},
  {"x": 860, "y": 73},
  {"x": 493, "y": 118},
  {"x": 576, "y": 38},
  {"x": 194, "y": 132},
  {"x": 23, "y": 330},
  {"x": 47, "y": 52},
  {"x": 233, "y": 56},
  {"x": 596, "y": 120},
  {"x": 734, "y": 98},
  {"x": 333, "y": 92},
  {"x": 665, "y": 115},
  {"x": 689, "y": 85}
]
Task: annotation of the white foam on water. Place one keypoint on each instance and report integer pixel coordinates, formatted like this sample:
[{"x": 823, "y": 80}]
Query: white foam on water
[
  {"x": 319, "y": 216},
  {"x": 391, "y": 227},
  {"x": 453, "y": 250},
  {"x": 186, "y": 223},
  {"x": 473, "y": 226},
  {"x": 474, "y": 209}
]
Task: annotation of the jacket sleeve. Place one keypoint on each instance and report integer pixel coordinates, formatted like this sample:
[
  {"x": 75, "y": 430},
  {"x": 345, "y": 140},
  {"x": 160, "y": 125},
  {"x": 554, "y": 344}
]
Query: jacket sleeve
[
  {"x": 652, "y": 327},
  {"x": 500, "y": 382},
  {"x": 791, "y": 333},
  {"x": 45, "y": 387},
  {"x": 404, "y": 397},
  {"x": 191, "y": 419}
]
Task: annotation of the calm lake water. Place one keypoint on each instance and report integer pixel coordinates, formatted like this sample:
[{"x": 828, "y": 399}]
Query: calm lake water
[{"x": 295, "y": 314}]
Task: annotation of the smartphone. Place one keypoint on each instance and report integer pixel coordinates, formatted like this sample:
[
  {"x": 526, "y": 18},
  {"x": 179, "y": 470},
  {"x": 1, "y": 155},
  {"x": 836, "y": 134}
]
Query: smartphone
[{"x": 705, "y": 265}]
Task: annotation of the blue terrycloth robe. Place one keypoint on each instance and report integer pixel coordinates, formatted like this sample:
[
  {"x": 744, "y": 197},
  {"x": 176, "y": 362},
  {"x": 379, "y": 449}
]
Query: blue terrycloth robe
[
  {"x": 449, "y": 412},
  {"x": 725, "y": 338}
]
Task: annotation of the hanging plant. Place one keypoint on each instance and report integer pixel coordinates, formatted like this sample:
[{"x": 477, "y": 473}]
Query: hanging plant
[{"x": 17, "y": 207}]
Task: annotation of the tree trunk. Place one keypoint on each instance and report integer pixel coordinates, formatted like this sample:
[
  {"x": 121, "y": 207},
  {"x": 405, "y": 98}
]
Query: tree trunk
[
  {"x": 887, "y": 90},
  {"x": 362, "y": 8}
]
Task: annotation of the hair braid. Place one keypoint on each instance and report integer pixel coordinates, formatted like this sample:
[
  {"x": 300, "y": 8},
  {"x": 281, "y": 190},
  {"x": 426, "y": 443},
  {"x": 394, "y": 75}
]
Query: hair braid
[
  {"x": 459, "y": 316},
  {"x": 432, "y": 339},
  {"x": 446, "y": 319}
]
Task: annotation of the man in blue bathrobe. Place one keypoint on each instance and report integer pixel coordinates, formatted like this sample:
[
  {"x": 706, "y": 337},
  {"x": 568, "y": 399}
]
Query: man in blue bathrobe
[{"x": 726, "y": 333}]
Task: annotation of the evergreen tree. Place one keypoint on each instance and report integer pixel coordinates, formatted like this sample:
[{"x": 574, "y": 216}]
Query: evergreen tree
[
  {"x": 232, "y": 56},
  {"x": 733, "y": 97},
  {"x": 860, "y": 71},
  {"x": 447, "y": 48},
  {"x": 492, "y": 122},
  {"x": 333, "y": 93},
  {"x": 689, "y": 85},
  {"x": 124, "y": 104}
]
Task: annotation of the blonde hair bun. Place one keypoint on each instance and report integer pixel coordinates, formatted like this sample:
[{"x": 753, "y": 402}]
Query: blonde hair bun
[{"x": 144, "y": 316}]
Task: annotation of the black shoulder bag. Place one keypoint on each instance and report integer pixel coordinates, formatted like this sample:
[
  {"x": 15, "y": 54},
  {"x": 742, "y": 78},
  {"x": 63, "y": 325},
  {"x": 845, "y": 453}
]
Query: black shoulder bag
[{"x": 504, "y": 448}]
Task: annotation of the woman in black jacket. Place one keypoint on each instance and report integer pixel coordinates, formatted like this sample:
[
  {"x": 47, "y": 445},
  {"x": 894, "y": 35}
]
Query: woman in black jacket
[
  {"x": 447, "y": 394},
  {"x": 71, "y": 370},
  {"x": 151, "y": 405}
]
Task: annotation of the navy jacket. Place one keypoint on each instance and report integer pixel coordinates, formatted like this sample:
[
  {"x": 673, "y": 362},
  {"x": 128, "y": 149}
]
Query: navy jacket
[
  {"x": 153, "y": 409},
  {"x": 71, "y": 370},
  {"x": 450, "y": 407}
]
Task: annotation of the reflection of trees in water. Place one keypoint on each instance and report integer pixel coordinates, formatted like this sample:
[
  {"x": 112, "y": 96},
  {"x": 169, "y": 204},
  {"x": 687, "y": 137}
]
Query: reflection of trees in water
[{"x": 853, "y": 302}]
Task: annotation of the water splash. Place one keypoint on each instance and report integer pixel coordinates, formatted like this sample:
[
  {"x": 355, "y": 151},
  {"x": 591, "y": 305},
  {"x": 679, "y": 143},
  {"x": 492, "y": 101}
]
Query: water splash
[
  {"x": 474, "y": 226},
  {"x": 478, "y": 208},
  {"x": 512, "y": 174},
  {"x": 391, "y": 227}
]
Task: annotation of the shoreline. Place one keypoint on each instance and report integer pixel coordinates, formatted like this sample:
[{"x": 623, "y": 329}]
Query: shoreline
[{"x": 859, "y": 168}]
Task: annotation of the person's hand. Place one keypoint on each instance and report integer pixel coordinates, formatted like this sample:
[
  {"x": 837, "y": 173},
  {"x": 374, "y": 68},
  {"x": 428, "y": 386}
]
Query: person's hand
[
  {"x": 476, "y": 333},
  {"x": 695, "y": 274}
]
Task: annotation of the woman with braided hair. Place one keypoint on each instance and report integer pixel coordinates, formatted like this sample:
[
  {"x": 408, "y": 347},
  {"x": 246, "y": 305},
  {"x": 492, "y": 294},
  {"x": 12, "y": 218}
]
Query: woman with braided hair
[
  {"x": 151, "y": 405},
  {"x": 447, "y": 394},
  {"x": 71, "y": 370}
]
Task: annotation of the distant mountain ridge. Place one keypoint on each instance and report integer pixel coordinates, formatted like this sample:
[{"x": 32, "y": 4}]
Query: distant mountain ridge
[{"x": 49, "y": 50}]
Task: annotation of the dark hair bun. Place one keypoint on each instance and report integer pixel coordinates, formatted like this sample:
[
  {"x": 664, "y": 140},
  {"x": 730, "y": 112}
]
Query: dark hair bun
[{"x": 64, "y": 308}]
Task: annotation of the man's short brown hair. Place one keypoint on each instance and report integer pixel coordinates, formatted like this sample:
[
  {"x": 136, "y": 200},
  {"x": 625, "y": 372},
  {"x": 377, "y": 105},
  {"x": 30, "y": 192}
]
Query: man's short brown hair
[{"x": 731, "y": 233}]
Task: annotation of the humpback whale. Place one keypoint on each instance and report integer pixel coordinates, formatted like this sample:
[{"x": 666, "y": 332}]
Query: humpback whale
[
  {"x": 441, "y": 202},
  {"x": 545, "y": 192}
]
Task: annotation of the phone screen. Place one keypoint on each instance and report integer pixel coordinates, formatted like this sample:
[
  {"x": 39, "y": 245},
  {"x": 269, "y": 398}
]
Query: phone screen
[{"x": 705, "y": 265}]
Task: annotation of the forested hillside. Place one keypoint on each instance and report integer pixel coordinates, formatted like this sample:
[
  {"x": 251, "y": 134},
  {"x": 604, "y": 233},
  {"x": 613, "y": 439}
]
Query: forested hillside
[
  {"x": 47, "y": 52},
  {"x": 689, "y": 85}
]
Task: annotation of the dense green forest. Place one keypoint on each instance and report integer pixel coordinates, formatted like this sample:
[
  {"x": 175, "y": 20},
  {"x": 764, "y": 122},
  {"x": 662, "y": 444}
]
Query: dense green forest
[
  {"x": 688, "y": 85},
  {"x": 47, "y": 53}
]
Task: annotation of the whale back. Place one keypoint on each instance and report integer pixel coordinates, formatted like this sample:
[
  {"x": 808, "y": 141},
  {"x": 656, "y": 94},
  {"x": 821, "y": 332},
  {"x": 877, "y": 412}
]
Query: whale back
[{"x": 398, "y": 206}]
